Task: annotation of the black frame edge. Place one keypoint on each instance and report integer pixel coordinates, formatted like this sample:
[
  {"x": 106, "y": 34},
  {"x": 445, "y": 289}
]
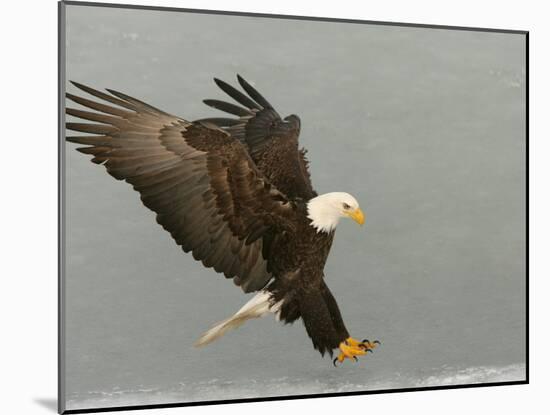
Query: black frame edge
[
  {"x": 61, "y": 38},
  {"x": 290, "y": 17},
  {"x": 527, "y": 120}
]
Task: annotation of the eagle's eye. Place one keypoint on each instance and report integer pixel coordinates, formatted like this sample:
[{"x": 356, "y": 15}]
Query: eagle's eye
[{"x": 346, "y": 206}]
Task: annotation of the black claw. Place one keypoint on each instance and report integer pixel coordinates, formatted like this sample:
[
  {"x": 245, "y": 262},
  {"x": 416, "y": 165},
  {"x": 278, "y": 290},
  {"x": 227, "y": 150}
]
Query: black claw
[
  {"x": 334, "y": 362},
  {"x": 355, "y": 358},
  {"x": 369, "y": 343},
  {"x": 368, "y": 350}
]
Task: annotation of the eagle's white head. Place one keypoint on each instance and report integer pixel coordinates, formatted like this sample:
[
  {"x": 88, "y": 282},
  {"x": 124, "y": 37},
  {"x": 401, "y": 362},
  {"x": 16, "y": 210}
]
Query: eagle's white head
[{"x": 326, "y": 210}]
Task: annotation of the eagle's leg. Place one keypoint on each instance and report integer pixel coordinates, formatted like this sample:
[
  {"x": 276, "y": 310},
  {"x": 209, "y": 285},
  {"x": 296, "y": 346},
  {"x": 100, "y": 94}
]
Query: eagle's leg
[{"x": 351, "y": 348}]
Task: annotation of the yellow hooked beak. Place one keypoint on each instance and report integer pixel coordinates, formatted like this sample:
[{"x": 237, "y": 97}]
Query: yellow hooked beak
[{"x": 358, "y": 216}]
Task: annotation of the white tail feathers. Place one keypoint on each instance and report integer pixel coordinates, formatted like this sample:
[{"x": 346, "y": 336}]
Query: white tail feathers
[{"x": 258, "y": 306}]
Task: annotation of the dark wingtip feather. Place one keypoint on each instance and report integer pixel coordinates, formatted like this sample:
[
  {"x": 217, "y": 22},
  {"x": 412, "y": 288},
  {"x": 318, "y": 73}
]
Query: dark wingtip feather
[
  {"x": 73, "y": 139},
  {"x": 254, "y": 94},
  {"x": 135, "y": 101},
  {"x": 80, "y": 86},
  {"x": 98, "y": 106},
  {"x": 85, "y": 88},
  {"x": 227, "y": 107},
  {"x": 236, "y": 94},
  {"x": 221, "y": 84},
  {"x": 241, "y": 80},
  {"x": 120, "y": 95},
  {"x": 102, "y": 95}
]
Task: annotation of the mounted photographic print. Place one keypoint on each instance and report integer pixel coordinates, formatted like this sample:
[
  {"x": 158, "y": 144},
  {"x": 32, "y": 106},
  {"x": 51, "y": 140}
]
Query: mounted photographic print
[{"x": 258, "y": 207}]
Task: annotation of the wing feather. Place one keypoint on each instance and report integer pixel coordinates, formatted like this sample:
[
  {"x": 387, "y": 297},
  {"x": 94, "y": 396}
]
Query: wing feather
[
  {"x": 254, "y": 94},
  {"x": 201, "y": 182},
  {"x": 227, "y": 107},
  {"x": 236, "y": 95},
  {"x": 264, "y": 134}
]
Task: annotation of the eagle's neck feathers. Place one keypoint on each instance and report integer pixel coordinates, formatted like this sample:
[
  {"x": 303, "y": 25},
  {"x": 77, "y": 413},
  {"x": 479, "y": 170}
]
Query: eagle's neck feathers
[{"x": 325, "y": 211}]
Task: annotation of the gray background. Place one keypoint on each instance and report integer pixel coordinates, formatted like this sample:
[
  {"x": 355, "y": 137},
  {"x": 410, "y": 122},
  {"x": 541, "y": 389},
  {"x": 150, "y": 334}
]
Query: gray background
[{"x": 425, "y": 127}]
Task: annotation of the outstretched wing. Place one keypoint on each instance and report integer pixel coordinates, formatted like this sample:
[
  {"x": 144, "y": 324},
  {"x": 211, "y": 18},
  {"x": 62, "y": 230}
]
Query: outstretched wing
[
  {"x": 262, "y": 130},
  {"x": 201, "y": 182}
]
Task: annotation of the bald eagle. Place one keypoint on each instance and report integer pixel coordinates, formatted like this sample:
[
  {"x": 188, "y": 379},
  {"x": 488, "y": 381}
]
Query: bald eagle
[{"x": 236, "y": 192}]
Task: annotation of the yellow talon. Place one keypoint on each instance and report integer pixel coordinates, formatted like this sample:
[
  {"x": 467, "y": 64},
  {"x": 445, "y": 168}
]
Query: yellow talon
[
  {"x": 352, "y": 342},
  {"x": 351, "y": 351},
  {"x": 365, "y": 344},
  {"x": 351, "y": 348}
]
